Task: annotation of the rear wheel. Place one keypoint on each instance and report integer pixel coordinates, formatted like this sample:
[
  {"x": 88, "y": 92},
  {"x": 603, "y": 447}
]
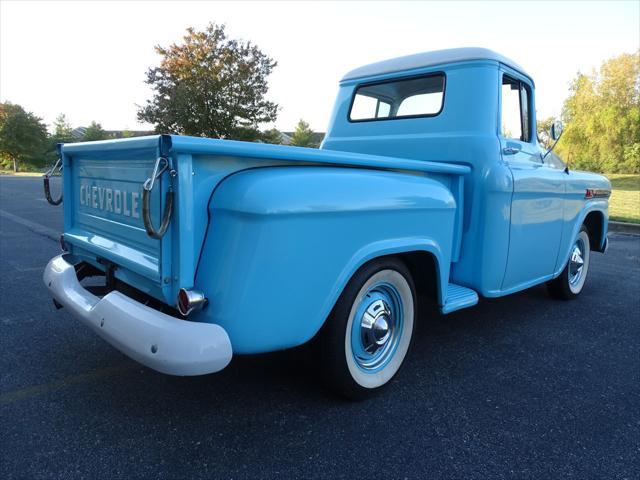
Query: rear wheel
[
  {"x": 572, "y": 279},
  {"x": 368, "y": 334}
]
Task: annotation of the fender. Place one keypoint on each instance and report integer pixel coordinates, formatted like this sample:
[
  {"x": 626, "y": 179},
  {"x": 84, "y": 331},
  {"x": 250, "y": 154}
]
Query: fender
[
  {"x": 284, "y": 241},
  {"x": 595, "y": 205},
  {"x": 394, "y": 247}
]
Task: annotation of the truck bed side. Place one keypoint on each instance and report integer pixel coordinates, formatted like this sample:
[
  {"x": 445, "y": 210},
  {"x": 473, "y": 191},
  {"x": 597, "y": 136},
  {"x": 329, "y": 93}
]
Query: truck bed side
[{"x": 100, "y": 233}]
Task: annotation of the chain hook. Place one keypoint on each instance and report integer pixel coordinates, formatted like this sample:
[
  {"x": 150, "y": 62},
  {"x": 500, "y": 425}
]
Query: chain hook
[{"x": 157, "y": 172}]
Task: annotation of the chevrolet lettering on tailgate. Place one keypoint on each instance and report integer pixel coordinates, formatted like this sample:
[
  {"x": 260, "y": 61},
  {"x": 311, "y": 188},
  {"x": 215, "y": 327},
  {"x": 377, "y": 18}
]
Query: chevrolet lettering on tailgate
[{"x": 120, "y": 202}]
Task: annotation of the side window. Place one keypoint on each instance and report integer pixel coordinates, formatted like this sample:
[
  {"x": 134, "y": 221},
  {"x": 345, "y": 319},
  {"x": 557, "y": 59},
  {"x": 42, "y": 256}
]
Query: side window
[
  {"x": 516, "y": 119},
  {"x": 524, "y": 108}
]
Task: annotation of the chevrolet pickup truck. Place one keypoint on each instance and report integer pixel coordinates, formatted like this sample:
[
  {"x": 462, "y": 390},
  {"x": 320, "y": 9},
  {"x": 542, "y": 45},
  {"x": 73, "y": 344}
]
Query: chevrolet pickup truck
[{"x": 430, "y": 184}]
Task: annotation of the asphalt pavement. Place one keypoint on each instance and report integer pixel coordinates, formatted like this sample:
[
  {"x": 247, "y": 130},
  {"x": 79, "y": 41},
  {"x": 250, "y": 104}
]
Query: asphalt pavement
[{"x": 518, "y": 387}]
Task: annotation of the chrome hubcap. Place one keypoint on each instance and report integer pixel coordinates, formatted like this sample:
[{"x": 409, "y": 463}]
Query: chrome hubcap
[
  {"x": 377, "y": 327},
  {"x": 576, "y": 265}
]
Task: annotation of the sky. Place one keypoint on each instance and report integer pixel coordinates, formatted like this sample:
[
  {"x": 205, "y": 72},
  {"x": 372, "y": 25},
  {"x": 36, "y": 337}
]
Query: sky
[{"x": 88, "y": 59}]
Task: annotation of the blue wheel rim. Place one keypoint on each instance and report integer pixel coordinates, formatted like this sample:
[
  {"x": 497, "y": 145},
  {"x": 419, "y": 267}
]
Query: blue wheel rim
[{"x": 380, "y": 306}]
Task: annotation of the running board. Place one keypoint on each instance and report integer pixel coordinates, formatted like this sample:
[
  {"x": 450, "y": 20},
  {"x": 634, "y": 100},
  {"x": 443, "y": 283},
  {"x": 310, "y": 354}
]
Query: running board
[{"x": 458, "y": 297}]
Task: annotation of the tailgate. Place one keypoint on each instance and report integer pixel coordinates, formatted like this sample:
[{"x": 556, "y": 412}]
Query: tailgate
[{"x": 103, "y": 209}]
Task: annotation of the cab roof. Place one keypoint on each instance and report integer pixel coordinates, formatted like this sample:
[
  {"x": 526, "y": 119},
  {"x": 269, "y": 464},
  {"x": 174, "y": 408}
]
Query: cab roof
[{"x": 427, "y": 59}]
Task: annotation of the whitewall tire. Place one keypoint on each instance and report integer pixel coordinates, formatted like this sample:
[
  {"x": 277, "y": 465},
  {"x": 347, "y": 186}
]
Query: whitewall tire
[
  {"x": 369, "y": 332},
  {"x": 570, "y": 283}
]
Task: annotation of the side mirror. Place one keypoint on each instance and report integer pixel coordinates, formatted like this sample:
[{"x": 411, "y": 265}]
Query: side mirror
[{"x": 556, "y": 130}]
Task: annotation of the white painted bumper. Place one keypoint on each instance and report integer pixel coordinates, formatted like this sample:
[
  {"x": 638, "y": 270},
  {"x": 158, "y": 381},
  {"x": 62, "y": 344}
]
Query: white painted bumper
[{"x": 159, "y": 341}]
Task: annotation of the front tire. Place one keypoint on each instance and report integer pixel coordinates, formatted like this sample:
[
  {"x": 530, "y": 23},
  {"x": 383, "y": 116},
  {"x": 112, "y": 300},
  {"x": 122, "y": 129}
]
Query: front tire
[
  {"x": 370, "y": 330},
  {"x": 572, "y": 279}
]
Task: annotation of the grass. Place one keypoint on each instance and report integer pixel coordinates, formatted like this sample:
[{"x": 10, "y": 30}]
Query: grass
[
  {"x": 624, "y": 204},
  {"x": 20, "y": 174}
]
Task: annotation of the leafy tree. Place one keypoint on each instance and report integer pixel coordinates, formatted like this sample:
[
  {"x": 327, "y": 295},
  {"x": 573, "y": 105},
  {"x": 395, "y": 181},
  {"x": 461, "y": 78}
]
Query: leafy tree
[
  {"x": 62, "y": 133},
  {"x": 23, "y": 136},
  {"x": 602, "y": 117},
  {"x": 303, "y": 135},
  {"x": 210, "y": 85},
  {"x": 62, "y": 130},
  {"x": 272, "y": 136},
  {"x": 94, "y": 132}
]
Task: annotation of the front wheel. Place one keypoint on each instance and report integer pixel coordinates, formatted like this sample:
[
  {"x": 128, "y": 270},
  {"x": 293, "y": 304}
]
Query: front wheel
[
  {"x": 368, "y": 334},
  {"x": 571, "y": 281}
]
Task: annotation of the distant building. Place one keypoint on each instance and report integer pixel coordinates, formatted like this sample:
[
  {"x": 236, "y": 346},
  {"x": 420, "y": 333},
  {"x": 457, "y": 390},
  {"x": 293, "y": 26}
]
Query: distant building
[
  {"x": 79, "y": 132},
  {"x": 285, "y": 139}
]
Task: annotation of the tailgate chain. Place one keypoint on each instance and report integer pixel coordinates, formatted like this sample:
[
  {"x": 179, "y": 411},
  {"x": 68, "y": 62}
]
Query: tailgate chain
[{"x": 158, "y": 170}]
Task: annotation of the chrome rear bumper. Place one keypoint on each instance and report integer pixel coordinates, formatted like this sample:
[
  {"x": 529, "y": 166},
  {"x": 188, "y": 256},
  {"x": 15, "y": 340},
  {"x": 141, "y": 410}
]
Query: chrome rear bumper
[{"x": 159, "y": 341}]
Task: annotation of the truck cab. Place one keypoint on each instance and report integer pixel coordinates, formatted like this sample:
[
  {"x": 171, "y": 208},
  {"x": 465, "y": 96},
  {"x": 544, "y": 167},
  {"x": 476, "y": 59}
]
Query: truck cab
[
  {"x": 521, "y": 212},
  {"x": 430, "y": 181}
]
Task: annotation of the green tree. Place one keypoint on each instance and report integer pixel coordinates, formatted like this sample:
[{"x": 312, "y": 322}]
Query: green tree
[
  {"x": 126, "y": 133},
  {"x": 62, "y": 130},
  {"x": 23, "y": 136},
  {"x": 303, "y": 135},
  {"x": 271, "y": 136},
  {"x": 602, "y": 116},
  {"x": 94, "y": 132},
  {"x": 210, "y": 85}
]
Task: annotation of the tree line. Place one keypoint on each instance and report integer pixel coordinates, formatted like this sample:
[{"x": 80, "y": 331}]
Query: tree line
[
  {"x": 210, "y": 85},
  {"x": 25, "y": 142},
  {"x": 602, "y": 118}
]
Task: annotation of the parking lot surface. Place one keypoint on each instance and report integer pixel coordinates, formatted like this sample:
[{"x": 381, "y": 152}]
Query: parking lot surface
[{"x": 518, "y": 387}]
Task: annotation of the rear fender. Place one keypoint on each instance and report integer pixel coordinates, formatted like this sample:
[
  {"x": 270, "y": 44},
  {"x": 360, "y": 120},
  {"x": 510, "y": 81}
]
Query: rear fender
[{"x": 284, "y": 241}]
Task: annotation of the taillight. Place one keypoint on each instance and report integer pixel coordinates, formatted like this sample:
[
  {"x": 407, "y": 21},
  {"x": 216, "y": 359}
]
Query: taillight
[{"x": 190, "y": 300}]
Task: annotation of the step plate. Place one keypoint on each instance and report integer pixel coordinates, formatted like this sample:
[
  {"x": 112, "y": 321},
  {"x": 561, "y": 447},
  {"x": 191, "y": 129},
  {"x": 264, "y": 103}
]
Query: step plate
[{"x": 458, "y": 297}]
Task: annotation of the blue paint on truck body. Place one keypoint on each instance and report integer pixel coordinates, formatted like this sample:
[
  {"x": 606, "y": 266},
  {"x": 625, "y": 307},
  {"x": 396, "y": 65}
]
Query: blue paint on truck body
[{"x": 272, "y": 234}]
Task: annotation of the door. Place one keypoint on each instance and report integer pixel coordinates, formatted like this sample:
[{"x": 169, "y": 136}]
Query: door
[{"x": 538, "y": 191}]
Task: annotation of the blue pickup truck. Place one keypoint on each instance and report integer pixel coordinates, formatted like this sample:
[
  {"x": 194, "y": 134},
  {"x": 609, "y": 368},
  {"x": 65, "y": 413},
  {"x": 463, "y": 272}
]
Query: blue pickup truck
[{"x": 430, "y": 184}]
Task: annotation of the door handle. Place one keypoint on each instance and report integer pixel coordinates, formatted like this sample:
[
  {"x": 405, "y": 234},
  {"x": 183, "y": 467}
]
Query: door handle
[{"x": 510, "y": 150}]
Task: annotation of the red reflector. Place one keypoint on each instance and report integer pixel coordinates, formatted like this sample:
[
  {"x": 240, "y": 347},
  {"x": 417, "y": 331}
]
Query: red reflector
[
  {"x": 183, "y": 302},
  {"x": 589, "y": 193},
  {"x": 190, "y": 300}
]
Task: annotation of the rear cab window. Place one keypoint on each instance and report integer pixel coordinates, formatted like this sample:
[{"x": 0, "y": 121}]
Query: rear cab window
[{"x": 421, "y": 96}]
